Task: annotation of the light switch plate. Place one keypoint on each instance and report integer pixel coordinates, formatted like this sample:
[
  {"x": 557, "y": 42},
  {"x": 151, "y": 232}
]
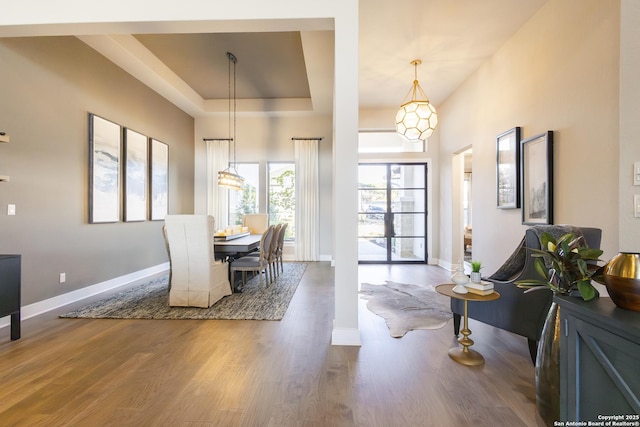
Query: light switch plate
[
  {"x": 11, "y": 209},
  {"x": 636, "y": 205},
  {"x": 636, "y": 173}
]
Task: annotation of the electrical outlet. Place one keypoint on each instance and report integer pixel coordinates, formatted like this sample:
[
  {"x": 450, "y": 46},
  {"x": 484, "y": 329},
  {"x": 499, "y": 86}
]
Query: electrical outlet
[
  {"x": 63, "y": 277},
  {"x": 636, "y": 173},
  {"x": 11, "y": 209},
  {"x": 636, "y": 205}
]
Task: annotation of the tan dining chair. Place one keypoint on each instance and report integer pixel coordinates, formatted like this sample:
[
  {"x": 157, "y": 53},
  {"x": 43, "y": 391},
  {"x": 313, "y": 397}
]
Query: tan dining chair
[{"x": 257, "y": 223}]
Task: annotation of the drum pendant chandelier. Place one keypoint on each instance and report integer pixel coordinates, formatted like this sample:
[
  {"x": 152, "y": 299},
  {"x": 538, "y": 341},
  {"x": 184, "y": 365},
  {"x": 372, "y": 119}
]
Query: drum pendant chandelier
[
  {"x": 417, "y": 118},
  {"x": 229, "y": 177}
]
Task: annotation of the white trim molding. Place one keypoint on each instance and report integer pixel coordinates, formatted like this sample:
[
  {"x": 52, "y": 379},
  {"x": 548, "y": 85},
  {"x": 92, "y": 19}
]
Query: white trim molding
[
  {"x": 445, "y": 264},
  {"x": 44, "y": 306},
  {"x": 346, "y": 336},
  {"x": 327, "y": 258}
]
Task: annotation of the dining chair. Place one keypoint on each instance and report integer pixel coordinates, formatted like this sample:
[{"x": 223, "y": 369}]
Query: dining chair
[
  {"x": 273, "y": 248},
  {"x": 258, "y": 264},
  {"x": 280, "y": 248},
  {"x": 166, "y": 245},
  {"x": 257, "y": 223},
  {"x": 196, "y": 278},
  {"x": 274, "y": 239}
]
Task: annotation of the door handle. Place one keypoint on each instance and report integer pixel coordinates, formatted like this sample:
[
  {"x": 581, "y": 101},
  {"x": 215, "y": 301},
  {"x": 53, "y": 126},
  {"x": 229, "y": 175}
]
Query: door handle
[{"x": 392, "y": 231}]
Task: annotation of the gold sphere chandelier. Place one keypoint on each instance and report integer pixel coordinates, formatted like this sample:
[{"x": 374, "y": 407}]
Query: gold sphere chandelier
[
  {"x": 417, "y": 118},
  {"x": 229, "y": 178}
]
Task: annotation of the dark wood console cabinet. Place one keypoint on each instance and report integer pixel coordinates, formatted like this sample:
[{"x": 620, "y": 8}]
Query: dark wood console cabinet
[
  {"x": 10, "y": 291},
  {"x": 599, "y": 359}
]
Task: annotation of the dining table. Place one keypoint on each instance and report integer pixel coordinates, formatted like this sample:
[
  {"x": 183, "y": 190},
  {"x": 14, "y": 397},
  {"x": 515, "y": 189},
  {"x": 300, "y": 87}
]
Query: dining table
[
  {"x": 230, "y": 248},
  {"x": 236, "y": 246}
]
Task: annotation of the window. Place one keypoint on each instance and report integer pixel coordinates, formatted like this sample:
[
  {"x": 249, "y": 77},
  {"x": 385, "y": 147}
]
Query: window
[
  {"x": 282, "y": 196},
  {"x": 245, "y": 201},
  {"x": 387, "y": 142}
]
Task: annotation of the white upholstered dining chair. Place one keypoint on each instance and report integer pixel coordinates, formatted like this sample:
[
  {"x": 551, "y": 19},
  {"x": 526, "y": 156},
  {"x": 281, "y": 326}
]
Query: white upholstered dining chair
[{"x": 197, "y": 279}]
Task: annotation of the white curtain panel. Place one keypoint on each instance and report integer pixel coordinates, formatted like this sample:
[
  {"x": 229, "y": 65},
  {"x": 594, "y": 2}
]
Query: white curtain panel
[
  {"x": 307, "y": 223},
  {"x": 217, "y": 160}
]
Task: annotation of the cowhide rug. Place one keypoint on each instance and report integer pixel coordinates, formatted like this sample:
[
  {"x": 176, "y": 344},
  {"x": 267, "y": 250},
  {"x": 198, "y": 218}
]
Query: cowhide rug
[{"x": 407, "y": 307}]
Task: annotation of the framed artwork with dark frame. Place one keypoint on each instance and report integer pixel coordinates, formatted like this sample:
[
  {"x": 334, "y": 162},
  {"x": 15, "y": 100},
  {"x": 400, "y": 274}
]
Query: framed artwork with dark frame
[
  {"x": 136, "y": 160},
  {"x": 104, "y": 170},
  {"x": 537, "y": 179},
  {"x": 508, "y": 169},
  {"x": 159, "y": 155}
]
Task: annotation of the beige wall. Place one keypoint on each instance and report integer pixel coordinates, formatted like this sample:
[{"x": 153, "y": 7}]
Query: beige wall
[
  {"x": 558, "y": 72},
  {"x": 48, "y": 87},
  {"x": 629, "y": 123}
]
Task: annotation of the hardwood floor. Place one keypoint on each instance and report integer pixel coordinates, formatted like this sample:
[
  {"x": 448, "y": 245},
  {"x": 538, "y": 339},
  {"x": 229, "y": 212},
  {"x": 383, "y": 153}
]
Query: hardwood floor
[{"x": 79, "y": 372}]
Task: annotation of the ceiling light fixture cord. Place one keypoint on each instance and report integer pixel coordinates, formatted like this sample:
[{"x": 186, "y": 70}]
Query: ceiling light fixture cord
[
  {"x": 231, "y": 135},
  {"x": 235, "y": 108},
  {"x": 229, "y": 107},
  {"x": 416, "y": 85},
  {"x": 229, "y": 177}
]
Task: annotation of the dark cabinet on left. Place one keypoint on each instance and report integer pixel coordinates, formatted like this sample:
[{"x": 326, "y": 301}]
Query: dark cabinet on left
[{"x": 10, "y": 291}]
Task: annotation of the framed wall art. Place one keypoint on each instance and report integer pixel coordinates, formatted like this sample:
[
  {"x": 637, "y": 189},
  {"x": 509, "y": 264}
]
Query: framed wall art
[
  {"x": 135, "y": 177},
  {"x": 159, "y": 156},
  {"x": 537, "y": 179},
  {"x": 104, "y": 170},
  {"x": 508, "y": 169}
]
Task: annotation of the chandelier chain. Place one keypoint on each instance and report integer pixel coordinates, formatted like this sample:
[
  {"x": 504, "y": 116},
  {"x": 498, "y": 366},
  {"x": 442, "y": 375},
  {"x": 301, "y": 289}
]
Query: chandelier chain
[
  {"x": 231, "y": 137},
  {"x": 235, "y": 104},
  {"x": 229, "y": 177}
]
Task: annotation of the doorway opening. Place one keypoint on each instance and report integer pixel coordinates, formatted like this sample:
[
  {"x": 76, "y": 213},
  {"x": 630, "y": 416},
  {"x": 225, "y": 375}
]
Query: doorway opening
[
  {"x": 467, "y": 207},
  {"x": 392, "y": 217}
]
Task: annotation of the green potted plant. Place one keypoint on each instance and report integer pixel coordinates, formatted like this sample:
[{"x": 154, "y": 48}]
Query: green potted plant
[
  {"x": 565, "y": 266},
  {"x": 475, "y": 271}
]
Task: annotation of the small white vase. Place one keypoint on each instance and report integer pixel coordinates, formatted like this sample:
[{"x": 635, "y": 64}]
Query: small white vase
[
  {"x": 476, "y": 277},
  {"x": 459, "y": 278}
]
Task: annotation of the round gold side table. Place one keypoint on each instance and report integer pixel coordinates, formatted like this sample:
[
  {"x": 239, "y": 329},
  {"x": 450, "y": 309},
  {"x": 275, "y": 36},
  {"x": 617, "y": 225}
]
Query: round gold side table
[{"x": 465, "y": 355}]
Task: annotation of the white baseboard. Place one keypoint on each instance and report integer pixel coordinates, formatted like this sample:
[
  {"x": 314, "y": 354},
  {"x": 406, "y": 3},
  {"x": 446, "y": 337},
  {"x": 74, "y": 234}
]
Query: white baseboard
[
  {"x": 446, "y": 265},
  {"x": 430, "y": 261},
  {"x": 41, "y": 307},
  {"x": 321, "y": 258},
  {"x": 346, "y": 336}
]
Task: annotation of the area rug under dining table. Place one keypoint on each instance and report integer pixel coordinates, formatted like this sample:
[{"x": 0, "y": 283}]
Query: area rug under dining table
[{"x": 150, "y": 300}]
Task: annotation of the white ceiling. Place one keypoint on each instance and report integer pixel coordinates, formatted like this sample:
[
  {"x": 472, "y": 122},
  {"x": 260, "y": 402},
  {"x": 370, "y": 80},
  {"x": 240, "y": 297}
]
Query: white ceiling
[
  {"x": 451, "y": 37},
  {"x": 291, "y": 71}
]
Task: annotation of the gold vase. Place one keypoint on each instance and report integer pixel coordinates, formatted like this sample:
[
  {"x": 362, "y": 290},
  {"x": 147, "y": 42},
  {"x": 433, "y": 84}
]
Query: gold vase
[
  {"x": 622, "y": 279},
  {"x": 548, "y": 368}
]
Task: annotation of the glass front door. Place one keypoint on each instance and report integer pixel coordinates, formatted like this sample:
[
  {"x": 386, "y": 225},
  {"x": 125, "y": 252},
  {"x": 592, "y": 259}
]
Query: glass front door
[{"x": 392, "y": 218}]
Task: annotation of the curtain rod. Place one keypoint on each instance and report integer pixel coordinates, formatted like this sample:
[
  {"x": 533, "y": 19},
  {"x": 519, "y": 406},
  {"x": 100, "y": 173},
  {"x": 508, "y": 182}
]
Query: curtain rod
[
  {"x": 307, "y": 139},
  {"x": 217, "y": 139}
]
